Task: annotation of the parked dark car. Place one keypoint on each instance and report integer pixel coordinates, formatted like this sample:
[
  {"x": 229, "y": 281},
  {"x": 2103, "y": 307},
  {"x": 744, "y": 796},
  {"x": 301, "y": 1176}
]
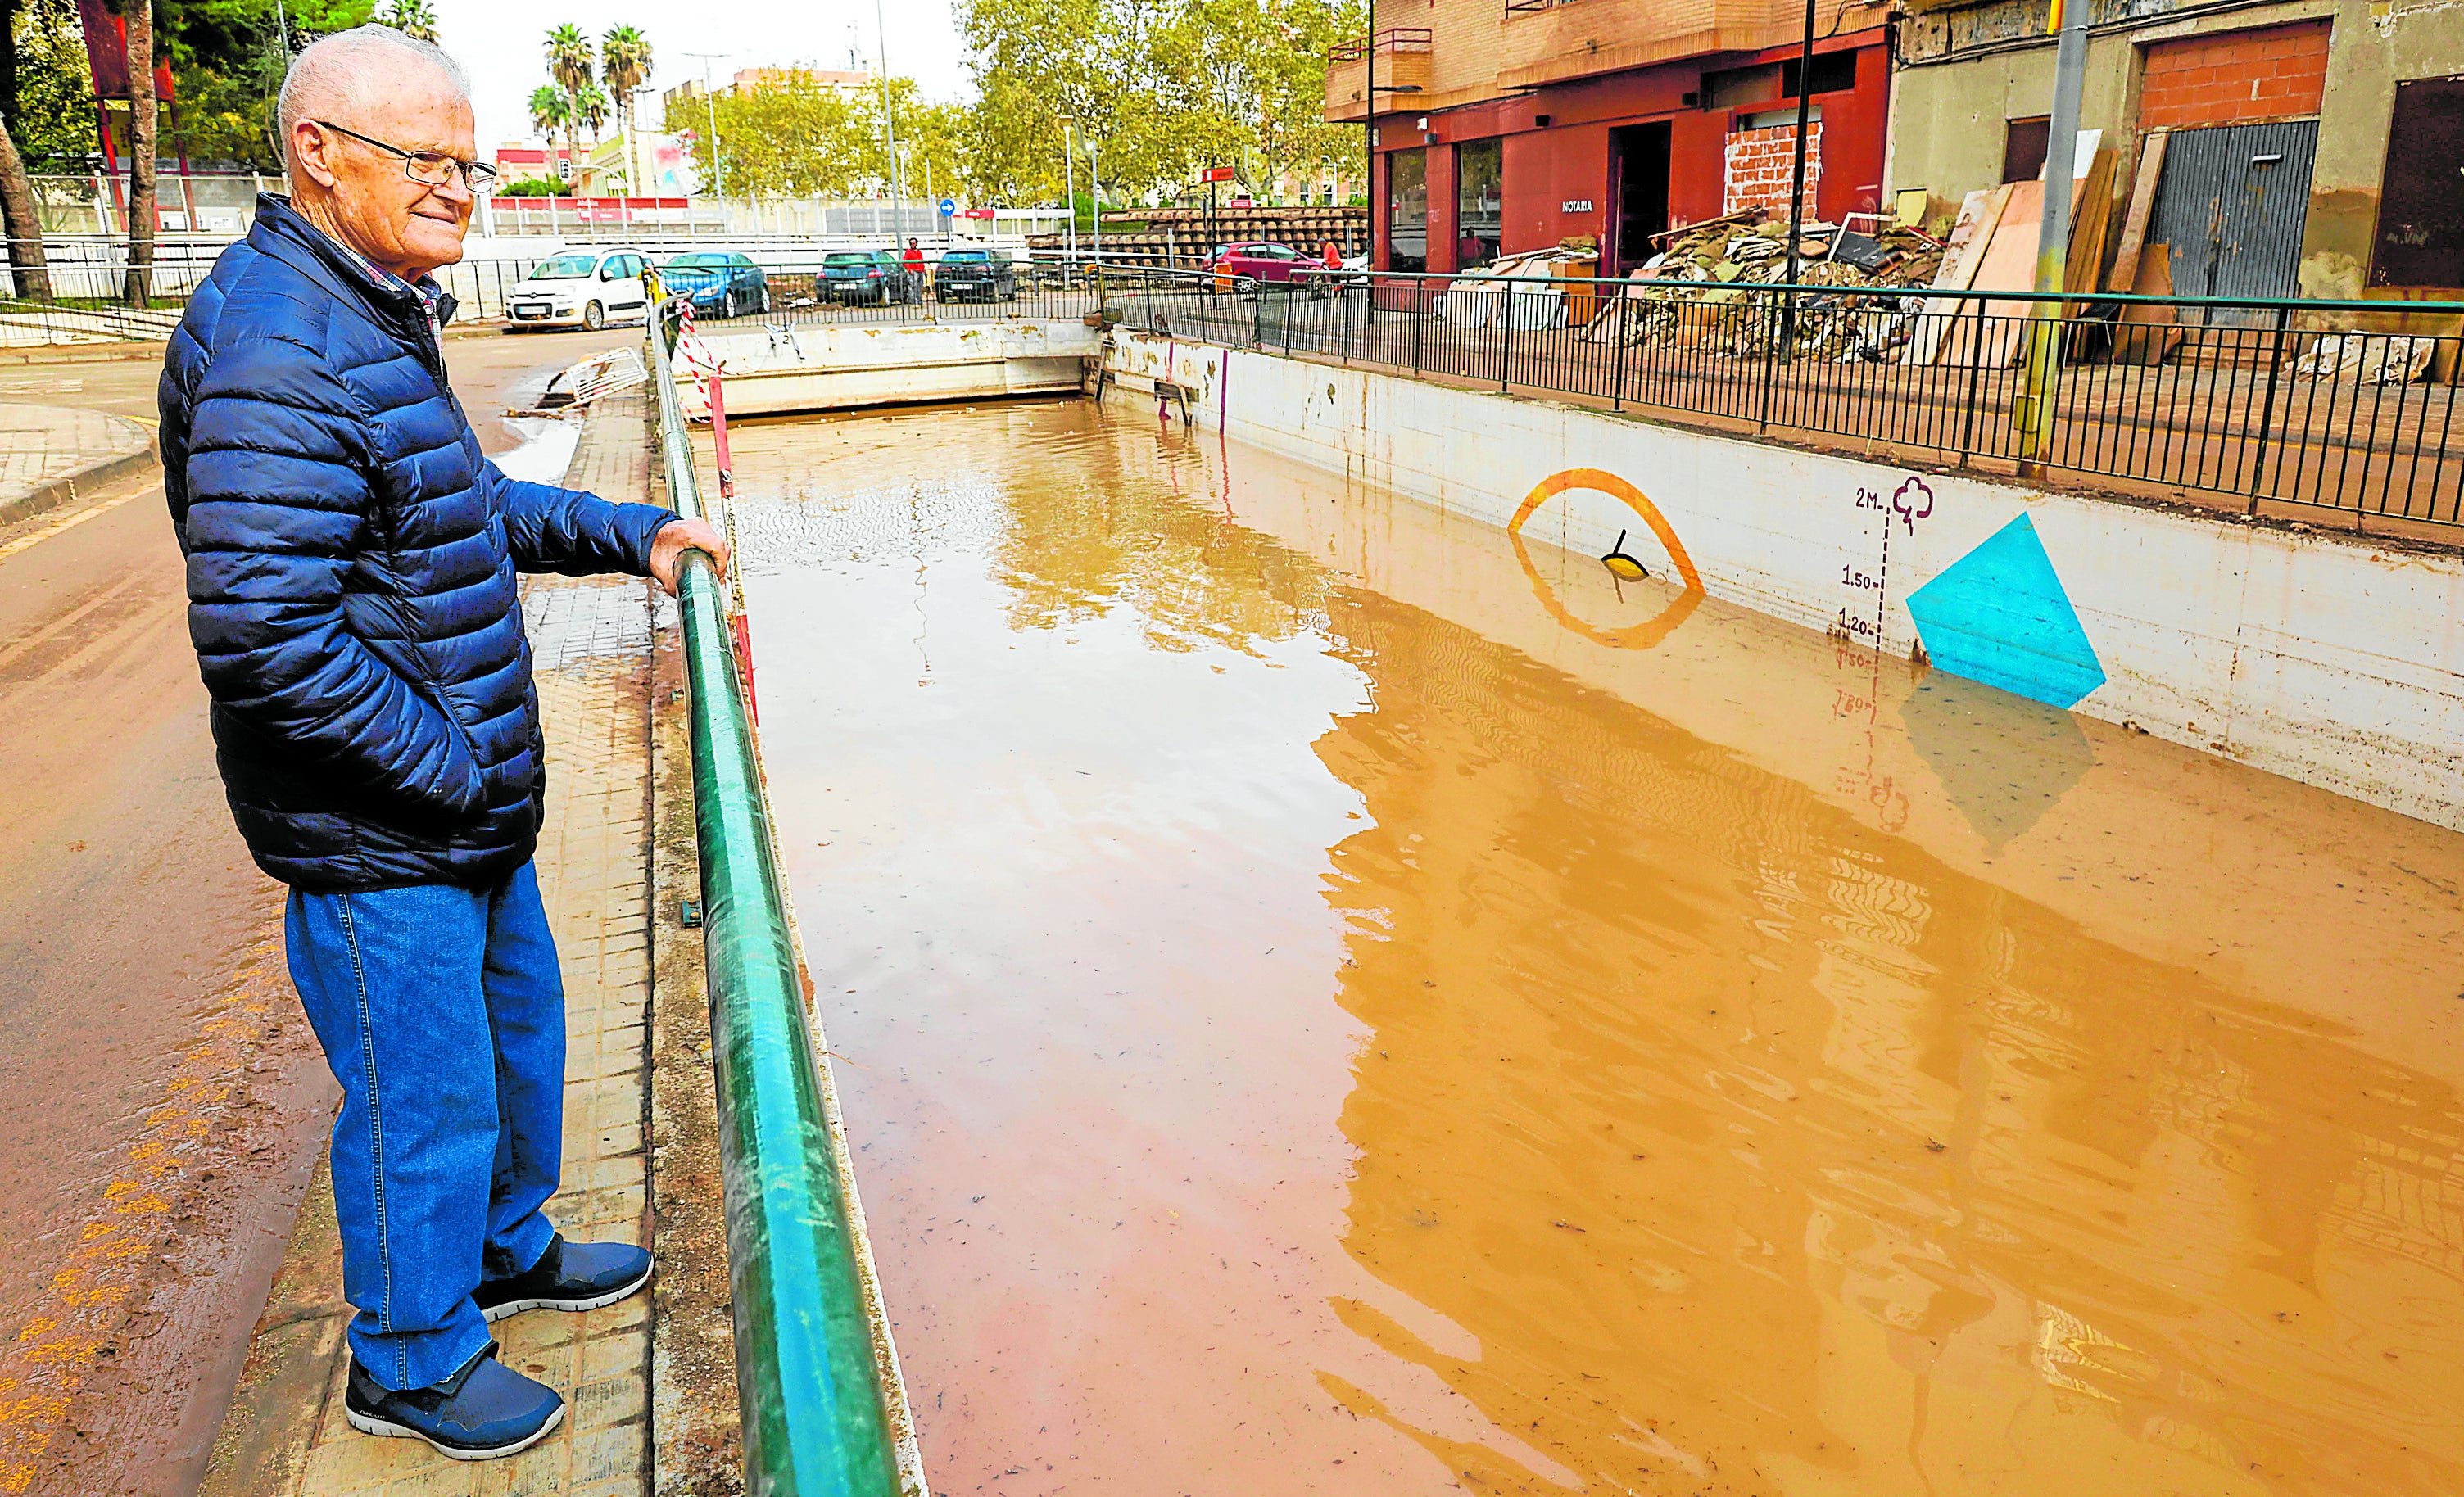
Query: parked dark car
[
  {"x": 974, "y": 274},
  {"x": 720, "y": 284},
  {"x": 872, "y": 275}
]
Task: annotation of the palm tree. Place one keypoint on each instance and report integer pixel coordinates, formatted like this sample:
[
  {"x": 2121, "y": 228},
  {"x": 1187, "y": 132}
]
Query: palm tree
[
  {"x": 590, "y": 108},
  {"x": 551, "y": 109},
  {"x": 624, "y": 62},
  {"x": 413, "y": 18},
  {"x": 570, "y": 58}
]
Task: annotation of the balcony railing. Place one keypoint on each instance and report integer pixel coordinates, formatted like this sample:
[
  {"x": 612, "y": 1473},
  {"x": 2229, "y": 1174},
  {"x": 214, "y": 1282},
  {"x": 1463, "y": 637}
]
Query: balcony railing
[{"x": 1395, "y": 39}]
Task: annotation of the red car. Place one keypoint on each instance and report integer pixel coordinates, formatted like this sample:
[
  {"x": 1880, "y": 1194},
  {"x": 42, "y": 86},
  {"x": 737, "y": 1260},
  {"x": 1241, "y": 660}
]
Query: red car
[{"x": 1244, "y": 267}]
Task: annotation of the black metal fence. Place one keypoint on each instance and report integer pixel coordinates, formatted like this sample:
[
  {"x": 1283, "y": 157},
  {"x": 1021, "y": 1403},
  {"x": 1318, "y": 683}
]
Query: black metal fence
[{"x": 2251, "y": 399}]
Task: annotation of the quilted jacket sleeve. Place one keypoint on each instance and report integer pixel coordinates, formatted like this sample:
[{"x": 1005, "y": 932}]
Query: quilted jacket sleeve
[
  {"x": 565, "y": 530},
  {"x": 278, "y": 500}
]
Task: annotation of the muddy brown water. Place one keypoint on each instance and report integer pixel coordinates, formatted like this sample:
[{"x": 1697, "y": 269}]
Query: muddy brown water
[{"x": 1327, "y": 1001}]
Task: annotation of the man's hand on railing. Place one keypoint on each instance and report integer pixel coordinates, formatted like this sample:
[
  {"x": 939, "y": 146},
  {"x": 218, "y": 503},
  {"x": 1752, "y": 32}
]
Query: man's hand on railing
[{"x": 677, "y": 536}]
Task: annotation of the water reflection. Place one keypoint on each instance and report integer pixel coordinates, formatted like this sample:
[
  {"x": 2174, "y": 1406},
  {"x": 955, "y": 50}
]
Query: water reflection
[{"x": 1302, "y": 1041}]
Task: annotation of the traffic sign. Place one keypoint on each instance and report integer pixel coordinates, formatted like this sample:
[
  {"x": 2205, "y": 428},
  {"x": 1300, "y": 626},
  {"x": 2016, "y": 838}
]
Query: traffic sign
[
  {"x": 1217, "y": 174},
  {"x": 977, "y": 213},
  {"x": 949, "y": 208}
]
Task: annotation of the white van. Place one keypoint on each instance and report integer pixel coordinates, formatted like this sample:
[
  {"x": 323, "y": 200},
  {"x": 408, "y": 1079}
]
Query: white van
[{"x": 582, "y": 288}]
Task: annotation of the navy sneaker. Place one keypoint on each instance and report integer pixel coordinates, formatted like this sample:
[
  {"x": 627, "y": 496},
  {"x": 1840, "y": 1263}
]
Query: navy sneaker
[
  {"x": 483, "y": 1411},
  {"x": 568, "y": 1276}
]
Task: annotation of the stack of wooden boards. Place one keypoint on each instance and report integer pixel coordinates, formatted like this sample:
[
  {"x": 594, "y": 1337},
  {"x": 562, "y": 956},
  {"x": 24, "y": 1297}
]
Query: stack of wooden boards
[
  {"x": 1184, "y": 237},
  {"x": 1993, "y": 247}
]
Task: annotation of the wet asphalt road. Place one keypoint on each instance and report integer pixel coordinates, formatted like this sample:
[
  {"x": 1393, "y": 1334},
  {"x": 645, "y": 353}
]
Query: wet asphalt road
[{"x": 161, "y": 1099}]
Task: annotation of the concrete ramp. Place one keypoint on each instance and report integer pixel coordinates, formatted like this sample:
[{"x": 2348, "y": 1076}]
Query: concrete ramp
[{"x": 780, "y": 369}]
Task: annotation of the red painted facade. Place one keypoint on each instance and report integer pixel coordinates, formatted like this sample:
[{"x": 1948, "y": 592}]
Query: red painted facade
[{"x": 1571, "y": 157}]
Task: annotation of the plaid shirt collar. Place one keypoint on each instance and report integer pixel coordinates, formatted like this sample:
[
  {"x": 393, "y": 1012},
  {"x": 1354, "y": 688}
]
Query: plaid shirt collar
[{"x": 434, "y": 299}]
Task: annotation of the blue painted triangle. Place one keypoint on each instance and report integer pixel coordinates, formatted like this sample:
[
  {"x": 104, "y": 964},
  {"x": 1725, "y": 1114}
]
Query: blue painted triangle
[{"x": 1999, "y": 615}]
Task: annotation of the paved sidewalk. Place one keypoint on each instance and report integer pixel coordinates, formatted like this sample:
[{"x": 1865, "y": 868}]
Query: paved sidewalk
[
  {"x": 49, "y": 453},
  {"x": 285, "y": 1433}
]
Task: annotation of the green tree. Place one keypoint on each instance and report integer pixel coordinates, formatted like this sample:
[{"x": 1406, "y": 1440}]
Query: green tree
[
  {"x": 52, "y": 93},
  {"x": 413, "y": 18},
  {"x": 1161, "y": 87},
  {"x": 789, "y": 136}
]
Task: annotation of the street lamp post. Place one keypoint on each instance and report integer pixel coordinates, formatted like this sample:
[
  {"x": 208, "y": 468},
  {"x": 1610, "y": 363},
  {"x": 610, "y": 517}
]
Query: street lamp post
[
  {"x": 1069, "y": 196},
  {"x": 890, "y": 127},
  {"x": 1797, "y": 191},
  {"x": 717, "y": 162},
  {"x": 1095, "y": 191}
]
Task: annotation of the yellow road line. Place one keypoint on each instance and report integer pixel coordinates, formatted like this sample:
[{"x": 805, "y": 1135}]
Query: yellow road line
[{"x": 66, "y": 522}]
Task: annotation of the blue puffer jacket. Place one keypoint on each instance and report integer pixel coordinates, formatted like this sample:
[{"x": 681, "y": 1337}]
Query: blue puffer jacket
[{"x": 351, "y": 573}]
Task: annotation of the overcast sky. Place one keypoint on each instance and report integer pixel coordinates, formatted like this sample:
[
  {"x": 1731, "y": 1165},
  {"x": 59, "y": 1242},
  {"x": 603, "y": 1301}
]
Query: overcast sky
[{"x": 504, "y": 45}]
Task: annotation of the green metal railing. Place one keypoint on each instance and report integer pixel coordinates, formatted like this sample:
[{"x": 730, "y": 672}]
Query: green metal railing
[{"x": 808, "y": 1381}]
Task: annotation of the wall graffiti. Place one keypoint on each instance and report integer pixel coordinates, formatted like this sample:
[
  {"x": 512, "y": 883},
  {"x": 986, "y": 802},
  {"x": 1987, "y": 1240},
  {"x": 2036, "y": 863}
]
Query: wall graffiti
[{"x": 1642, "y": 636}]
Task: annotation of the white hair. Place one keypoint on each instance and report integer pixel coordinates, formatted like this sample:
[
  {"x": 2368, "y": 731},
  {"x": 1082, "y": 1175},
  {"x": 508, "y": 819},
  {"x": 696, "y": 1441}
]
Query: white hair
[{"x": 354, "y": 65}]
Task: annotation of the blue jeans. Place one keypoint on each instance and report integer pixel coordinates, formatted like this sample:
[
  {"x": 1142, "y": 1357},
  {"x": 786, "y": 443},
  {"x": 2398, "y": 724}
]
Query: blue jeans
[{"x": 442, "y": 1014}]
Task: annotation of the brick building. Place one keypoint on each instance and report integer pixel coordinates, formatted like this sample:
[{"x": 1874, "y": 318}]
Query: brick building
[
  {"x": 1508, "y": 124},
  {"x": 2311, "y": 148}
]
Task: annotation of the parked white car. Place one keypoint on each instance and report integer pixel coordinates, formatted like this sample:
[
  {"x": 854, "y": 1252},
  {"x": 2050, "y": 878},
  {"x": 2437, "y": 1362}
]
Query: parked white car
[{"x": 589, "y": 288}]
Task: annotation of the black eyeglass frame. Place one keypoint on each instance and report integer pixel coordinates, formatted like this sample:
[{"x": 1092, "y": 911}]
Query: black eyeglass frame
[{"x": 476, "y": 175}]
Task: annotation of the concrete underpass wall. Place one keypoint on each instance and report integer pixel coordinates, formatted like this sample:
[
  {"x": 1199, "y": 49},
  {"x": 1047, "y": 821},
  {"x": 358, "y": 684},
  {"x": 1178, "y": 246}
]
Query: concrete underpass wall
[
  {"x": 846, "y": 365},
  {"x": 2327, "y": 660}
]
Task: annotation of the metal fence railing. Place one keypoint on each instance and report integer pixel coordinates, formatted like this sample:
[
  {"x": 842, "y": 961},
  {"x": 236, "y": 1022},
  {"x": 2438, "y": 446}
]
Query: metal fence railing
[
  {"x": 813, "y": 1383},
  {"x": 2251, "y": 399}
]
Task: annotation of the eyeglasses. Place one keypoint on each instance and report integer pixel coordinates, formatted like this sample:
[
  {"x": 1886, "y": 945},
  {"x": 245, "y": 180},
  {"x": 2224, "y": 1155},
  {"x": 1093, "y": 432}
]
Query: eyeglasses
[{"x": 430, "y": 168}]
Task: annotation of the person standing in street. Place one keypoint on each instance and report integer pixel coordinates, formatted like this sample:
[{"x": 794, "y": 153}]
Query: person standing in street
[
  {"x": 352, "y": 597},
  {"x": 913, "y": 261}
]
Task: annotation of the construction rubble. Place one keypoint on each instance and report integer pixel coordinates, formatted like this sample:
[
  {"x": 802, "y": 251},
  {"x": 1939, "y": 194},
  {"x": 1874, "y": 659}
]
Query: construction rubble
[{"x": 1694, "y": 292}]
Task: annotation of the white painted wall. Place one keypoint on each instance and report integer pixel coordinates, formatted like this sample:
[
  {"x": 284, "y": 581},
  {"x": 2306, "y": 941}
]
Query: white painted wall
[
  {"x": 854, "y": 364},
  {"x": 2327, "y": 660}
]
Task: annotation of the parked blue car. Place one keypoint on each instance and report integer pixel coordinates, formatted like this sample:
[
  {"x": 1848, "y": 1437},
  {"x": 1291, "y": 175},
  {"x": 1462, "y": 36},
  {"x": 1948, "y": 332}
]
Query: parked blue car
[{"x": 719, "y": 284}]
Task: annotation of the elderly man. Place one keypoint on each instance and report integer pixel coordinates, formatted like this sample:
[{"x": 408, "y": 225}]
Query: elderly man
[{"x": 351, "y": 560}]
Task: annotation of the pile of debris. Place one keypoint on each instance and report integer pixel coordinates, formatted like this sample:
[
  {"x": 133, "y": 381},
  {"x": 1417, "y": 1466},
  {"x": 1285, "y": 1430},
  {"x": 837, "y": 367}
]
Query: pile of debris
[
  {"x": 1695, "y": 290},
  {"x": 1538, "y": 300}
]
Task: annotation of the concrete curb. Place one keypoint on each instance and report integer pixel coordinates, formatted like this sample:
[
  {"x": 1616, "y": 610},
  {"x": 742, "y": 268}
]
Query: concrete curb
[
  {"x": 152, "y": 349},
  {"x": 52, "y": 493}
]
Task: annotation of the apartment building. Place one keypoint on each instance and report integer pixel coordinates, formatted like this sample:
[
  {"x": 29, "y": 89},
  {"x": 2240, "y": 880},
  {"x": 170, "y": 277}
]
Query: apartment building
[
  {"x": 2297, "y": 148},
  {"x": 1500, "y": 125}
]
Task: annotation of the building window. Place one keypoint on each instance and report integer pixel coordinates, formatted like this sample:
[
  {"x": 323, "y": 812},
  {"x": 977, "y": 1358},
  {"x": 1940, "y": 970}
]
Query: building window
[
  {"x": 1407, "y": 211},
  {"x": 2023, "y": 147},
  {"x": 1834, "y": 73},
  {"x": 1735, "y": 87},
  {"x": 2420, "y": 236},
  {"x": 1480, "y": 203}
]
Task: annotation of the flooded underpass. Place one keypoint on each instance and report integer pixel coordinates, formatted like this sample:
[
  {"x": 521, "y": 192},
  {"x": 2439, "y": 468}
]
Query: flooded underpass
[{"x": 1329, "y": 997}]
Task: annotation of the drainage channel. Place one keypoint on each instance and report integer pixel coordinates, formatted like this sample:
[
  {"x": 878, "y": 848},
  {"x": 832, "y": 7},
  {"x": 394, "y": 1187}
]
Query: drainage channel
[{"x": 1315, "y": 1013}]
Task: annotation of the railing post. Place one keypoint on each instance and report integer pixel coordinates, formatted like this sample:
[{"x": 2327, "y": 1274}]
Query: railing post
[
  {"x": 2267, "y": 419},
  {"x": 1504, "y": 344},
  {"x": 1975, "y": 375},
  {"x": 1771, "y": 365},
  {"x": 1419, "y": 315},
  {"x": 1343, "y": 295},
  {"x": 1617, "y": 355}
]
